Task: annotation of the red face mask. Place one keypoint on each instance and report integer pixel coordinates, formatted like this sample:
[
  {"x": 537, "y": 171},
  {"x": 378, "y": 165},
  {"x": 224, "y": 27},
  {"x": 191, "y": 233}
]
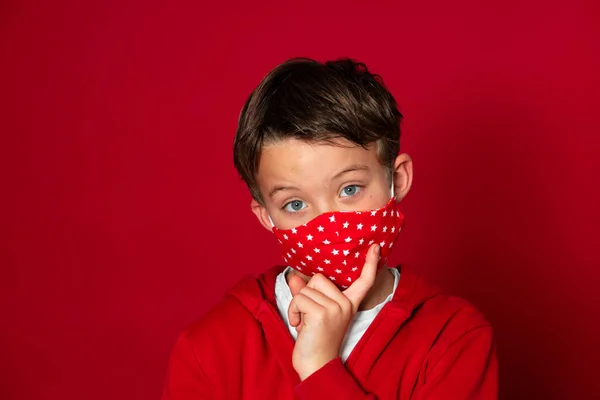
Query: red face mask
[{"x": 335, "y": 244}]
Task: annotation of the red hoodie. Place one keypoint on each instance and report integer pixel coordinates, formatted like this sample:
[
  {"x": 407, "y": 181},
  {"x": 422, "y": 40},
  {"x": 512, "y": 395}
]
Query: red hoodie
[{"x": 421, "y": 345}]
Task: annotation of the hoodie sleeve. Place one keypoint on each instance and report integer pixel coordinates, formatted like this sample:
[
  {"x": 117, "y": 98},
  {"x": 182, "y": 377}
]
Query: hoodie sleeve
[
  {"x": 466, "y": 369},
  {"x": 332, "y": 381},
  {"x": 185, "y": 377}
]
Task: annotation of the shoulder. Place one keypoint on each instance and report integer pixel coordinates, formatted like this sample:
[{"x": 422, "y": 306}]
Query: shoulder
[
  {"x": 460, "y": 323},
  {"x": 234, "y": 318},
  {"x": 459, "y": 334},
  {"x": 205, "y": 349},
  {"x": 214, "y": 341},
  {"x": 426, "y": 301},
  {"x": 221, "y": 326},
  {"x": 451, "y": 339},
  {"x": 454, "y": 310},
  {"x": 442, "y": 320}
]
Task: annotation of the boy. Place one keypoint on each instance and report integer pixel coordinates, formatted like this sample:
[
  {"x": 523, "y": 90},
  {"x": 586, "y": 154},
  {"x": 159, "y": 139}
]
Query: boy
[{"x": 317, "y": 145}]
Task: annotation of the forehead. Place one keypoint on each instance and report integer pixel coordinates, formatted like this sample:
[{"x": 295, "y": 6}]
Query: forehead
[{"x": 296, "y": 161}]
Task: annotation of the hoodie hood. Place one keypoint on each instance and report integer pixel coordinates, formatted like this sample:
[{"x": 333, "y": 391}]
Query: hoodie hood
[{"x": 253, "y": 291}]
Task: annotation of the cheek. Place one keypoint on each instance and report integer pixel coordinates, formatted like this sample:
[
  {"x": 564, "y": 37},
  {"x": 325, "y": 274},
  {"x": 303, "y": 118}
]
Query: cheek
[
  {"x": 376, "y": 198},
  {"x": 377, "y": 201}
]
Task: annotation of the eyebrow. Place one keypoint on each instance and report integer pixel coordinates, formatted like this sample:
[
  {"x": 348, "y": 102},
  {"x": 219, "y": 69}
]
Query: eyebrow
[
  {"x": 352, "y": 168},
  {"x": 281, "y": 188}
]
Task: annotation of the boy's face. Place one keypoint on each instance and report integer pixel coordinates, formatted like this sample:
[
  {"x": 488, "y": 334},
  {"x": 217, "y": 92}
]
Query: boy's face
[{"x": 300, "y": 180}]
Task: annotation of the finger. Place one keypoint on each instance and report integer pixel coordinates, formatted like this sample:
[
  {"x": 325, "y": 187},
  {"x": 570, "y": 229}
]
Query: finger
[
  {"x": 300, "y": 326},
  {"x": 320, "y": 298},
  {"x": 323, "y": 285},
  {"x": 359, "y": 289},
  {"x": 302, "y": 304},
  {"x": 296, "y": 284}
]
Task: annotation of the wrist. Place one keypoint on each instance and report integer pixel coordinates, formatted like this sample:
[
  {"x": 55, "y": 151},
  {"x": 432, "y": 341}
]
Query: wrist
[{"x": 309, "y": 368}]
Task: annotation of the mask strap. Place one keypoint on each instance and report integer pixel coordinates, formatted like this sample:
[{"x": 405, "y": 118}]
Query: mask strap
[
  {"x": 271, "y": 221},
  {"x": 393, "y": 194}
]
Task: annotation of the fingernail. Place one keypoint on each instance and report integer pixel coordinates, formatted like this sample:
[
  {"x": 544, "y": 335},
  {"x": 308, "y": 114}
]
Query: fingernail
[{"x": 377, "y": 250}]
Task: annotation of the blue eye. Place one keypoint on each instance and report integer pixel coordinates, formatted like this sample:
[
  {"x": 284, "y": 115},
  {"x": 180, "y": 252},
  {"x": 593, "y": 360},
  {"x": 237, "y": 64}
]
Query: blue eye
[
  {"x": 295, "y": 206},
  {"x": 350, "y": 190}
]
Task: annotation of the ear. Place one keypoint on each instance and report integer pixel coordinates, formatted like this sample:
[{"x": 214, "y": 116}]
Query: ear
[
  {"x": 403, "y": 175},
  {"x": 261, "y": 214}
]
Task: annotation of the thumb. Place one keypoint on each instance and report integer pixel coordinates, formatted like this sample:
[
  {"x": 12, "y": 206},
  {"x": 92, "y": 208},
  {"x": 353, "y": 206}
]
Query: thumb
[
  {"x": 296, "y": 284},
  {"x": 359, "y": 289}
]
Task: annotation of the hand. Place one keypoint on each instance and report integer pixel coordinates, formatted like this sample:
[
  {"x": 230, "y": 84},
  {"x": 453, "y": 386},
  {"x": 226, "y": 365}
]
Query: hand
[{"x": 321, "y": 313}]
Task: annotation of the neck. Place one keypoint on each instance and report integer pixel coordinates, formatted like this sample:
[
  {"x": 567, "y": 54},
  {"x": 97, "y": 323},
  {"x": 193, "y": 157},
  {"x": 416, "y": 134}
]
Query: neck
[{"x": 382, "y": 288}]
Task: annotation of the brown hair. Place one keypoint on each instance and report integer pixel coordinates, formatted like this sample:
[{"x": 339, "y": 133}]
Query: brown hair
[{"x": 307, "y": 100}]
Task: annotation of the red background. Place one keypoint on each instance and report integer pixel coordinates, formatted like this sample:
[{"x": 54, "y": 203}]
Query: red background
[{"x": 118, "y": 188}]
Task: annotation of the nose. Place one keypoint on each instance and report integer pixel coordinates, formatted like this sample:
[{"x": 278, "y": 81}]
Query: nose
[{"x": 325, "y": 205}]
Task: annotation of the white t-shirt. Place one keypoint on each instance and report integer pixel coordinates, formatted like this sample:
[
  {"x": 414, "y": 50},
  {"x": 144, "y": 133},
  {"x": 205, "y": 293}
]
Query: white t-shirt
[{"x": 357, "y": 326}]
